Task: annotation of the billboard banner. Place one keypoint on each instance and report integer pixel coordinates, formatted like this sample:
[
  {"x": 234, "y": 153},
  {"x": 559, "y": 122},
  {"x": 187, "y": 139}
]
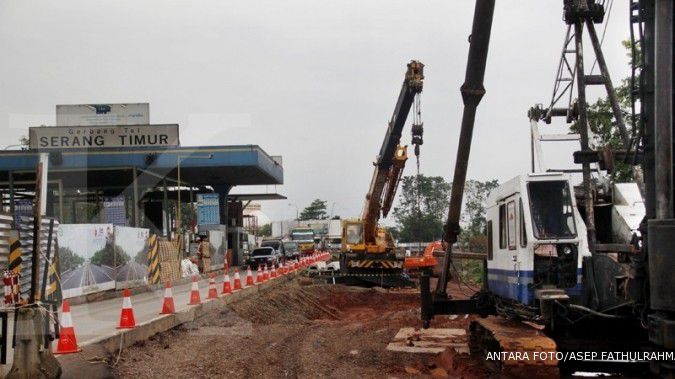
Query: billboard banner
[
  {"x": 131, "y": 256},
  {"x": 95, "y": 137},
  {"x": 101, "y": 257},
  {"x": 103, "y": 114},
  {"x": 87, "y": 258}
]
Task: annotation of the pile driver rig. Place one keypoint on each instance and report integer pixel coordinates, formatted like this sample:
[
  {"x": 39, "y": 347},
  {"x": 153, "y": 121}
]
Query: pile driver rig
[{"x": 597, "y": 276}]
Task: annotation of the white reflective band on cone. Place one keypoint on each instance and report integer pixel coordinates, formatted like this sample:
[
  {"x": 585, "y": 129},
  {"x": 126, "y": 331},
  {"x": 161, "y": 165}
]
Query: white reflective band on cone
[{"x": 66, "y": 320}]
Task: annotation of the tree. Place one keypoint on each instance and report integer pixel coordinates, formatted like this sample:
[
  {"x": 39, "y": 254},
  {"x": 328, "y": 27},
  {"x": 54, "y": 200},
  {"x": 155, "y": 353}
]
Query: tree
[
  {"x": 315, "y": 211},
  {"x": 107, "y": 256},
  {"x": 68, "y": 260},
  {"x": 476, "y": 193},
  {"x": 601, "y": 122},
  {"x": 266, "y": 230},
  {"x": 423, "y": 222}
]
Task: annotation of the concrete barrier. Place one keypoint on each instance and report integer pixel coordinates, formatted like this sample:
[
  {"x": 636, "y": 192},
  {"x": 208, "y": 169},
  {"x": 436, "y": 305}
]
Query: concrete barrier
[{"x": 145, "y": 330}]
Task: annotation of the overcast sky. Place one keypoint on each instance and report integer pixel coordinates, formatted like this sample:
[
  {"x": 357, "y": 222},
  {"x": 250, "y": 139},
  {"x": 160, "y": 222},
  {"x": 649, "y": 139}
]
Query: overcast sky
[{"x": 313, "y": 81}]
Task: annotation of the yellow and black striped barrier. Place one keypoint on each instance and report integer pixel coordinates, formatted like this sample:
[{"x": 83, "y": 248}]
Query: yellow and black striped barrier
[
  {"x": 153, "y": 260},
  {"x": 15, "y": 253},
  {"x": 53, "y": 290}
]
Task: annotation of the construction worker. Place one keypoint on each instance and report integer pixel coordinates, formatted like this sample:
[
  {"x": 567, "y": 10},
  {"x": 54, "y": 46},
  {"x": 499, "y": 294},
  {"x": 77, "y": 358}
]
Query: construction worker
[{"x": 204, "y": 254}]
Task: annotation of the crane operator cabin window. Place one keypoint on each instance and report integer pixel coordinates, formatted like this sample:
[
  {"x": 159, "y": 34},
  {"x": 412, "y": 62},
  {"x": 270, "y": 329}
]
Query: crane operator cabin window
[
  {"x": 551, "y": 207},
  {"x": 354, "y": 233}
]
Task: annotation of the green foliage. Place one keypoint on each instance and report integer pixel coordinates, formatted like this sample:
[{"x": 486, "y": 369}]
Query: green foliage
[
  {"x": 472, "y": 237},
  {"x": 315, "y": 211},
  {"x": 142, "y": 257},
  {"x": 470, "y": 271},
  {"x": 600, "y": 122},
  {"x": 106, "y": 256},
  {"x": 426, "y": 222},
  {"x": 69, "y": 260},
  {"x": 266, "y": 230}
]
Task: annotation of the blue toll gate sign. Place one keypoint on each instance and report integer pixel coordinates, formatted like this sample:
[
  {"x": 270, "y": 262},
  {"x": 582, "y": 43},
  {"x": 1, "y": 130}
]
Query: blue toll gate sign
[{"x": 208, "y": 209}]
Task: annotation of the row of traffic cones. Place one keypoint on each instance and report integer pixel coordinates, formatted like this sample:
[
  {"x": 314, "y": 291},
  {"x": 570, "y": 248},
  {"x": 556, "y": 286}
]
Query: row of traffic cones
[{"x": 68, "y": 342}]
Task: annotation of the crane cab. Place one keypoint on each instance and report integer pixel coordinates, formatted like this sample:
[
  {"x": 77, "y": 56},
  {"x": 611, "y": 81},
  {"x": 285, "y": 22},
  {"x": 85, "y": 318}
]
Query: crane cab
[{"x": 536, "y": 238}]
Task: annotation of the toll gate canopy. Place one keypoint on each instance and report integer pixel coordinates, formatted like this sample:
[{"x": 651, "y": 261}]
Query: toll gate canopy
[{"x": 82, "y": 179}]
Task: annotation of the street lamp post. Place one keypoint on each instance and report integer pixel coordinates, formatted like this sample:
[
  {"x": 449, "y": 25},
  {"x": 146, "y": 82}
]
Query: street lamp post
[
  {"x": 297, "y": 213},
  {"x": 331, "y": 211}
]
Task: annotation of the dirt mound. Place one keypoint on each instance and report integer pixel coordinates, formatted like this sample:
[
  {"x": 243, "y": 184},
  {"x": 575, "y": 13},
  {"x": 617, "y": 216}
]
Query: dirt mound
[
  {"x": 300, "y": 303},
  {"x": 293, "y": 330}
]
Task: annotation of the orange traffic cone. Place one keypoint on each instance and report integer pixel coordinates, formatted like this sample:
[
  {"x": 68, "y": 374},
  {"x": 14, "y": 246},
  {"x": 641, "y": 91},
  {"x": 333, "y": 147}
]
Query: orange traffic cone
[
  {"x": 266, "y": 274},
  {"x": 168, "y": 306},
  {"x": 249, "y": 277},
  {"x": 194, "y": 292},
  {"x": 227, "y": 287},
  {"x": 280, "y": 271},
  {"x": 213, "y": 292},
  {"x": 67, "y": 341},
  {"x": 273, "y": 272},
  {"x": 127, "y": 320},
  {"x": 237, "y": 280},
  {"x": 259, "y": 276}
]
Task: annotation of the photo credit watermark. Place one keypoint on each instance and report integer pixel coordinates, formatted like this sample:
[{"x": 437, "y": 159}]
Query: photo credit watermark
[{"x": 560, "y": 356}]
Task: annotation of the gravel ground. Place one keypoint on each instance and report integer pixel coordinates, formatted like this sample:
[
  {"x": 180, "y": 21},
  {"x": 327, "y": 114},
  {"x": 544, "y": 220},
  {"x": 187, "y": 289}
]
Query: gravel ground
[{"x": 297, "y": 331}]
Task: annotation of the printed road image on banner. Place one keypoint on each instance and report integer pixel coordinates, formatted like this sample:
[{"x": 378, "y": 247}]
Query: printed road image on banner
[
  {"x": 217, "y": 244},
  {"x": 131, "y": 256},
  {"x": 87, "y": 258}
]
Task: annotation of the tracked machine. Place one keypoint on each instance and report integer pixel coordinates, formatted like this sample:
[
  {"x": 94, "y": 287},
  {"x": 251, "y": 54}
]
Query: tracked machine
[
  {"x": 368, "y": 253},
  {"x": 586, "y": 268}
]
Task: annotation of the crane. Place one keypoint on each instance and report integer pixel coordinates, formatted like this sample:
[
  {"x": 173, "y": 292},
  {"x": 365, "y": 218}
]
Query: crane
[{"x": 367, "y": 248}]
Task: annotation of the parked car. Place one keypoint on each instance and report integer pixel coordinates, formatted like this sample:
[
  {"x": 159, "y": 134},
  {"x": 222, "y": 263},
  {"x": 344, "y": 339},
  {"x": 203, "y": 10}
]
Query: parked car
[
  {"x": 292, "y": 250},
  {"x": 263, "y": 256}
]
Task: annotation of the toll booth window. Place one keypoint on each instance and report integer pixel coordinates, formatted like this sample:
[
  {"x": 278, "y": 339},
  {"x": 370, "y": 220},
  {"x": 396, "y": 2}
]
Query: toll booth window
[
  {"x": 354, "y": 233},
  {"x": 502, "y": 226},
  {"x": 511, "y": 222},
  {"x": 551, "y": 209}
]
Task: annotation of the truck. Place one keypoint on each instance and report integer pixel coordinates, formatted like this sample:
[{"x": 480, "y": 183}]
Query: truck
[{"x": 304, "y": 237}]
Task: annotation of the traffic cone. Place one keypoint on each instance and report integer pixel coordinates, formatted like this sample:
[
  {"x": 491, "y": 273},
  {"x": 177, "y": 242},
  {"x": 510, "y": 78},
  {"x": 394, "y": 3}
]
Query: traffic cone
[
  {"x": 273, "y": 272},
  {"x": 237, "y": 280},
  {"x": 194, "y": 292},
  {"x": 280, "y": 271},
  {"x": 249, "y": 277},
  {"x": 295, "y": 265},
  {"x": 67, "y": 341},
  {"x": 127, "y": 320},
  {"x": 259, "y": 276},
  {"x": 227, "y": 287},
  {"x": 213, "y": 293},
  {"x": 168, "y": 306},
  {"x": 266, "y": 274}
]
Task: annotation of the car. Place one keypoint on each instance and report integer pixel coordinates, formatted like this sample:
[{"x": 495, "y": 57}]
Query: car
[
  {"x": 292, "y": 250},
  {"x": 276, "y": 244},
  {"x": 265, "y": 255}
]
